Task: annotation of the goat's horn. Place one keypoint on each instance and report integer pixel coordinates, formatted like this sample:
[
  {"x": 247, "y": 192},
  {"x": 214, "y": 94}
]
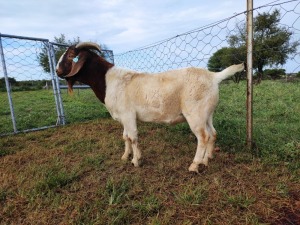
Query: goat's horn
[{"x": 89, "y": 45}]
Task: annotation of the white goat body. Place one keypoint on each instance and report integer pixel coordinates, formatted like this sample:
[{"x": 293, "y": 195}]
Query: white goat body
[{"x": 189, "y": 94}]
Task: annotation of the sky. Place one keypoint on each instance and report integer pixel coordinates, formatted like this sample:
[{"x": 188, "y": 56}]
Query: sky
[{"x": 122, "y": 25}]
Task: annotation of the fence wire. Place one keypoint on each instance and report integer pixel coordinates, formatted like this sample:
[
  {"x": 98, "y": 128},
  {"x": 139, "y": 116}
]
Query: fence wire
[
  {"x": 21, "y": 59},
  {"x": 25, "y": 75},
  {"x": 195, "y": 48},
  {"x": 33, "y": 99}
]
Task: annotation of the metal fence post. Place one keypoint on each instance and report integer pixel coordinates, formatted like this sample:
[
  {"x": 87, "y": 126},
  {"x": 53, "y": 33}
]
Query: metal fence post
[
  {"x": 12, "y": 112},
  {"x": 54, "y": 86},
  {"x": 61, "y": 106},
  {"x": 249, "y": 73}
]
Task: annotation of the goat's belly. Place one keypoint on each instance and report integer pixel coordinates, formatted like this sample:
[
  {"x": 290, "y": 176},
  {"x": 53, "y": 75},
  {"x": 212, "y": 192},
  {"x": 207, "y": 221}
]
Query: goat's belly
[{"x": 159, "y": 117}]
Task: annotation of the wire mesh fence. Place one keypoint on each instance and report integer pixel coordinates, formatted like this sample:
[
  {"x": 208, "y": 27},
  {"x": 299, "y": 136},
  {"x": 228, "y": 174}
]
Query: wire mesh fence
[
  {"x": 26, "y": 109},
  {"x": 196, "y": 47},
  {"x": 30, "y": 95}
]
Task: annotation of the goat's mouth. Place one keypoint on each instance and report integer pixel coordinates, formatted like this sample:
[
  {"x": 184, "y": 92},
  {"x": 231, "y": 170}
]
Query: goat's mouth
[{"x": 60, "y": 74}]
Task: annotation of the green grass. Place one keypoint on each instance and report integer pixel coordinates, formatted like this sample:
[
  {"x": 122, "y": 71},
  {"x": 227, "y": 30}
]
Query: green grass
[
  {"x": 276, "y": 119},
  {"x": 74, "y": 174},
  {"x": 34, "y": 109},
  {"x": 191, "y": 195},
  {"x": 54, "y": 178}
]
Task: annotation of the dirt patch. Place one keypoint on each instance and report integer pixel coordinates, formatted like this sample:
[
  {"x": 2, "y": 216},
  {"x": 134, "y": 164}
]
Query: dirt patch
[{"x": 290, "y": 214}]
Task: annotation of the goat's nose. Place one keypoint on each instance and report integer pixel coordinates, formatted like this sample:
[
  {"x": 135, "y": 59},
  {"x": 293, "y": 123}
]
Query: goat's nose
[{"x": 57, "y": 72}]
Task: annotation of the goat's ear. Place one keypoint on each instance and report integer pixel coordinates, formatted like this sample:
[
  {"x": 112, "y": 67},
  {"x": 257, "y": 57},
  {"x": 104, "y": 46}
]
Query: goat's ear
[{"x": 77, "y": 63}]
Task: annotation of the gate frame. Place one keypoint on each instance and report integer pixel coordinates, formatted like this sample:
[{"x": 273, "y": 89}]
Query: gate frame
[{"x": 55, "y": 84}]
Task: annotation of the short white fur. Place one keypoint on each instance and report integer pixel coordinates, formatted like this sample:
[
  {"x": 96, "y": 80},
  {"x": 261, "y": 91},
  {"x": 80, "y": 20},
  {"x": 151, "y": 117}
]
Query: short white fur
[{"x": 189, "y": 94}]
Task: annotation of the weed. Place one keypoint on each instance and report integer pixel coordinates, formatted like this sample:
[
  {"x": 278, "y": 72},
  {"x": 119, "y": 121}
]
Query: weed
[
  {"x": 148, "y": 206},
  {"x": 3, "y": 195},
  {"x": 239, "y": 201},
  {"x": 116, "y": 191},
  {"x": 7, "y": 147},
  {"x": 81, "y": 146},
  {"x": 282, "y": 189},
  {"x": 93, "y": 161},
  {"x": 55, "y": 177},
  {"x": 191, "y": 196},
  {"x": 118, "y": 216},
  {"x": 4, "y": 152}
]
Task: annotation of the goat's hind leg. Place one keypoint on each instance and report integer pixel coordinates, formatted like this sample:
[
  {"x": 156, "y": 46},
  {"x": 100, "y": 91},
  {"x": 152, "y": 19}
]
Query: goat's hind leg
[
  {"x": 206, "y": 137},
  {"x": 200, "y": 130},
  {"x": 212, "y": 138},
  {"x": 201, "y": 153},
  {"x": 137, "y": 155},
  {"x": 128, "y": 147}
]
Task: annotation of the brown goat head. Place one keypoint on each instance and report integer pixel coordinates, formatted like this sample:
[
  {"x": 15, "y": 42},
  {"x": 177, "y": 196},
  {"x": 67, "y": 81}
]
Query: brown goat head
[
  {"x": 73, "y": 59},
  {"x": 78, "y": 63}
]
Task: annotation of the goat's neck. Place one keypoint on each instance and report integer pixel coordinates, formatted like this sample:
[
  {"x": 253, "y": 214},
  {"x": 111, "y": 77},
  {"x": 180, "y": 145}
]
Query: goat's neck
[{"x": 96, "y": 78}]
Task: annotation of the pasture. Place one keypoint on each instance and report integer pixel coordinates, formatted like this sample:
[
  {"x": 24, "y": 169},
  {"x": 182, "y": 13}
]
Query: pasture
[
  {"x": 35, "y": 109},
  {"x": 74, "y": 175}
]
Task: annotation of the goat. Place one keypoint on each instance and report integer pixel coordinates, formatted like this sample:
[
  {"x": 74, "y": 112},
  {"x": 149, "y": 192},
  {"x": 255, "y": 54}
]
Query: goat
[{"x": 188, "y": 94}]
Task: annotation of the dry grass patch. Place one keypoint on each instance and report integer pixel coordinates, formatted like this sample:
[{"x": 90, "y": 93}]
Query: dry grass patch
[{"x": 74, "y": 175}]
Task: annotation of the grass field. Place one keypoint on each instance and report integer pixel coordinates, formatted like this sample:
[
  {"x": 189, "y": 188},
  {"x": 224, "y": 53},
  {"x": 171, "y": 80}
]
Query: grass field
[
  {"x": 34, "y": 109},
  {"x": 74, "y": 175}
]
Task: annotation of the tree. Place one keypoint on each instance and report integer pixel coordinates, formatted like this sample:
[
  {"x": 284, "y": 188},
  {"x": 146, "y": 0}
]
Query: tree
[
  {"x": 272, "y": 42},
  {"x": 59, "y": 50},
  {"x": 225, "y": 57},
  {"x": 11, "y": 81},
  {"x": 274, "y": 73}
]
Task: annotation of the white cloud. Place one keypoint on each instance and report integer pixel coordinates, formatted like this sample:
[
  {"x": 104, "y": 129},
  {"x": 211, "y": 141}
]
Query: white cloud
[{"x": 121, "y": 24}]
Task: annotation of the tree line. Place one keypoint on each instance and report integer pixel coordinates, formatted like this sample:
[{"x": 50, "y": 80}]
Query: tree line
[{"x": 28, "y": 85}]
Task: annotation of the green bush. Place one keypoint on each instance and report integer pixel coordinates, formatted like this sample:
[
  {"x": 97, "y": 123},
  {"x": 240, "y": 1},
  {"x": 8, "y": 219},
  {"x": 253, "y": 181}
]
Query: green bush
[{"x": 274, "y": 73}]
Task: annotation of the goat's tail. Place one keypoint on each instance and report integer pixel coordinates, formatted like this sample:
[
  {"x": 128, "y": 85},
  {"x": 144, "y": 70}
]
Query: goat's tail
[{"x": 228, "y": 72}]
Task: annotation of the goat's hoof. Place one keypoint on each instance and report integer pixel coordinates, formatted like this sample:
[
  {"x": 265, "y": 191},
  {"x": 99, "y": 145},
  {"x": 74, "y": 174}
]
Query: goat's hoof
[
  {"x": 210, "y": 155},
  {"x": 217, "y": 149},
  {"x": 194, "y": 168},
  {"x": 125, "y": 157},
  {"x": 136, "y": 163},
  {"x": 205, "y": 162}
]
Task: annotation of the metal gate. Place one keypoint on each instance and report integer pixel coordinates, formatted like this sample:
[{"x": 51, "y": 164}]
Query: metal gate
[
  {"x": 30, "y": 91},
  {"x": 19, "y": 59}
]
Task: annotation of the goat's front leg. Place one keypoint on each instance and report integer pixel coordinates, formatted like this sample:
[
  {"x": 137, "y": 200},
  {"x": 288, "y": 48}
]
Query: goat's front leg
[{"x": 131, "y": 142}]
